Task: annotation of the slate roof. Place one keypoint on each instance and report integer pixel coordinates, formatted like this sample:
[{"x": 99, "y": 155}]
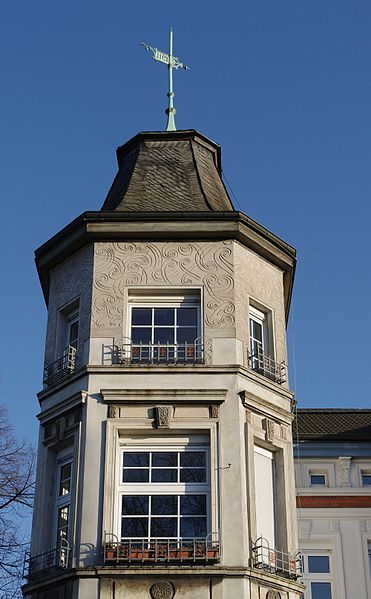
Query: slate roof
[
  {"x": 328, "y": 424},
  {"x": 176, "y": 171}
]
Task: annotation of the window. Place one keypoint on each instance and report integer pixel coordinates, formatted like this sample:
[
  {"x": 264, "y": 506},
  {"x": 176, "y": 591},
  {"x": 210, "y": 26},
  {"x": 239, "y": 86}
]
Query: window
[
  {"x": 265, "y": 496},
  {"x": 317, "y": 575},
  {"x": 366, "y": 479},
  {"x": 261, "y": 352},
  {"x": 63, "y": 501},
  {"x": 258, "y": 337},
  {"x": 164, "y": 493},
  {"x": 319, "y": 480},
  {"x": 164, "y": 329},
  {"x": 72, "y": 330}
]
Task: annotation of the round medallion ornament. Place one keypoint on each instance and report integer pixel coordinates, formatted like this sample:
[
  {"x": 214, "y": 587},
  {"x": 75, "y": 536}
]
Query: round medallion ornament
[
  {"x": 273, "y": 595},
  {"x": 162, "y": 590}
]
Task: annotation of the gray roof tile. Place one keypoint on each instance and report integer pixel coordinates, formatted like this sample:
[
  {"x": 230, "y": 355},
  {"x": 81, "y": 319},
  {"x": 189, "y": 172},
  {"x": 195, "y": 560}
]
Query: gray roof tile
[
  {"x": 333, "y": 424},
  {"x": 168, "y": 172}
]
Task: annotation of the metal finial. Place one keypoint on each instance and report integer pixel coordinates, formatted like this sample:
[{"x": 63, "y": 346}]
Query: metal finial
[{"x": 172, "y": 63}]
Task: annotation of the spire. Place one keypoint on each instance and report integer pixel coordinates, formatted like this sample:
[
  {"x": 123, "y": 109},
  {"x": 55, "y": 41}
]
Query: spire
[{"x": 172, "y": 63}]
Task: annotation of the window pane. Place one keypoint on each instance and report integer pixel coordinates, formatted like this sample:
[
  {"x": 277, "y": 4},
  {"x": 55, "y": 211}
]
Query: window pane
[
  {"x": 141, "y": 316},
  {"x": 135, "y": 476},
  {"x": 136, "y": 459},
  {"x": 318, "y": 563},
  {"x": 74, "y": 333},
  {"x": 164, "y": 335},
  {"x": 65, "y": 487},
  {"x": 187, "y": 317},
  {"x": 134, "y": 527},
  {"x": 256, "y": 330},
  {"x": 366, "y": 480},
  {"x": 63, "y": 517},
  {"x": 135, "y": 505},
  {"x": 193, "y": 475},
  {"x": 164, "y": 504},
  {"x": 164, "y": 316},
  {"x": 321, "y": 590},
  {"x": 193, "y": 458},
  {"x": 143, "y": 335},
  {"x": 193, "y": 527},
  {"x": 164, "y": 458},
  {"x": 65, "y": 471},
  {"x": 186, "y": 335},
  {"x": 193, "y": 505},
  {"x": 164, "y": 475},
  {"x": 164, "y": 527},
  {"x": 317, "y": 479}
]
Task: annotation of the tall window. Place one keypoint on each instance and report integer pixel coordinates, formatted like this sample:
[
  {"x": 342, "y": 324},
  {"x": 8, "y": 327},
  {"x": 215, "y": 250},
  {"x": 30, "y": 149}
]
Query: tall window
[
  {"x": 265, "y": 495},
  {"x": 258, "y": 336},
  {"x": 72, "y": 330},
  {"x": 164, "y": 493},
  {"x": 317, "y": 575},
  {"x": 63, "y": 500}
]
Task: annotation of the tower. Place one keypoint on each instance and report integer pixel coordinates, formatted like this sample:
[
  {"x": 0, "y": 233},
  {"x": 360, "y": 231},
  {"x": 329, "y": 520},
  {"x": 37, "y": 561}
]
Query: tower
[{"x": 165, "y": 463}]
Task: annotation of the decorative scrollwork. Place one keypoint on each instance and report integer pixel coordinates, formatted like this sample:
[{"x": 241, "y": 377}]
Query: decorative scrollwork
[{"x": 122, "y": 265}]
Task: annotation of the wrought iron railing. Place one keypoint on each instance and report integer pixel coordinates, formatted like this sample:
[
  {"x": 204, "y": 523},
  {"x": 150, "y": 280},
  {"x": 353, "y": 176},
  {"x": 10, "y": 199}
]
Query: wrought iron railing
[
  {"x": 46, "y": 563},
  {"x": 204, "y": 549},
  {"x": 62, "y": 368},
  {"x": 276, "y": 561},
  {"x": 258, "y": 361},
  {"x": 161, "y": 353}
]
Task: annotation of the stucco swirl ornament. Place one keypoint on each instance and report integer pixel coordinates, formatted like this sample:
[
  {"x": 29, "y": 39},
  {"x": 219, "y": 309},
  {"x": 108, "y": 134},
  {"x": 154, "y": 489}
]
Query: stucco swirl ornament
[
  {"x": 273, "y": 595},
  {"x": 162, "y": 590}
]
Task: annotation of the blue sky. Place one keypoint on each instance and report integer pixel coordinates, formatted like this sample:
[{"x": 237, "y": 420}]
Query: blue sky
[{"x": 284, "y": 87}]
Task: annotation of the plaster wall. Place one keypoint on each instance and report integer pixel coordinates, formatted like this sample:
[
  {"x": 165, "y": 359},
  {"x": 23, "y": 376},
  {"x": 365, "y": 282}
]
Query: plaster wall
[{"x": 70, "y": 281}]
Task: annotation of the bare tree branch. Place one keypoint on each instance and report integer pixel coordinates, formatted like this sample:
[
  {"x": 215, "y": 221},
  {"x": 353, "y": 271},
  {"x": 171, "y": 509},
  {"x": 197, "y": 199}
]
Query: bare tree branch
[{"x": 17, "y": 469}]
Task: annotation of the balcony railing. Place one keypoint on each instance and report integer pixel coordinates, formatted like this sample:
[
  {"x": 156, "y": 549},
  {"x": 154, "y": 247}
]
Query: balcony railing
[
  {"x": 62, "y": 368},
  {"x": 127, "y": 551},
  {"x": 276, "y": 371},
  {"x": 275, "y": 561},
  {"x": 47, "y": 563},
  {"x": 161, "y": 353}
]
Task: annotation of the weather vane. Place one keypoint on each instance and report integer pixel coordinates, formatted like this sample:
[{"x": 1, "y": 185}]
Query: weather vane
[{"x": 172, "y": 63}]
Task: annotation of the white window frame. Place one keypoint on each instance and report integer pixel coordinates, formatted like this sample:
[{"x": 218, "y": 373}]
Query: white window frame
[
  {"x": 319, "y": 473},
  {"x": 62, "y": 501},
  {"x": 164, "y": 488},
  {"x": 365, "y": 472},
  {"x": 68, "y": 315},
  {"x": 309, "y": 577},
  {"x": 164, "y": 300}
]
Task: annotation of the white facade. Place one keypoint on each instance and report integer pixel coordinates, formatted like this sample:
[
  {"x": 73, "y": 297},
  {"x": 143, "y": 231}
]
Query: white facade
[
  {"x": 151, "y": 421},
  {"x": 334, "y": 516}
]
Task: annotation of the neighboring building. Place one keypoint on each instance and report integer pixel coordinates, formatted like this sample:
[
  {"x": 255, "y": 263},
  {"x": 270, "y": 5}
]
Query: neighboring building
[
  {"x": 333, "y": 477},
  {"x": 165, "y": 449}
]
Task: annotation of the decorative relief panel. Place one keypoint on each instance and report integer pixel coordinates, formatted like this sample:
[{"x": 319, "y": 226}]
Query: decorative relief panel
[
  {"x": 162, "y": 590},
  {"x": 163, "y": 416},
  {"x": 262, "y": 281},
  {"x": 123, "y": 265},
  {"x": 214, "y": 411},
  {"x": 344, "y": 470},
  {"x": 70, "y": 280},
  {"x": 268, "y": 426}
]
